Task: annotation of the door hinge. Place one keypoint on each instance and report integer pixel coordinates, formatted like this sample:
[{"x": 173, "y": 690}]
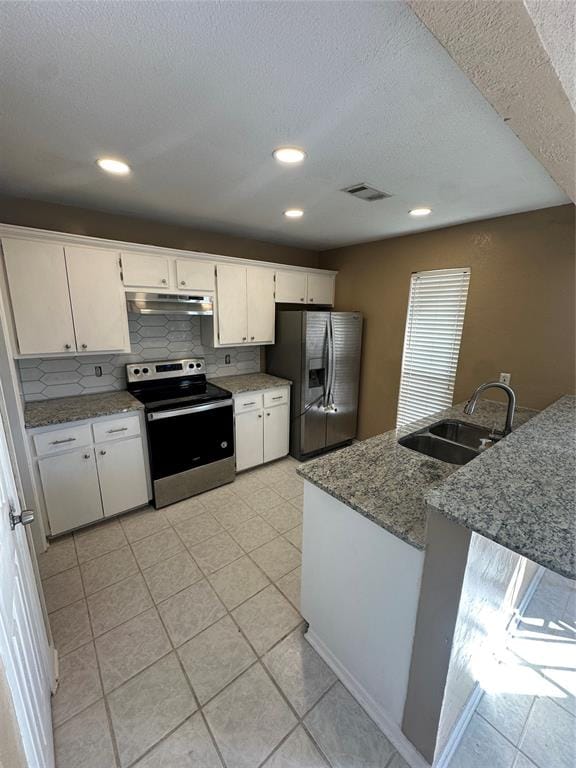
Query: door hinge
[{"x": 121, "y": 270}]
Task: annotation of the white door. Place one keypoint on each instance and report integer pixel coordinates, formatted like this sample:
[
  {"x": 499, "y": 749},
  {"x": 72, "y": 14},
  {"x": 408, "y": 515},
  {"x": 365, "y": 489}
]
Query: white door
[
  {"x": 321, "y": 289},
  {"x": 143, "y": 271},
  {"x": 98, "y": 301},
  {"x": 38, "y": 288},
  {"x": 291, "y": 287},
  {"x": 71, "y": 489},
  {"x": 194, "y": 275},
  {"x": 24, "y": 648},
  {"x": 249, "y": 440},
  {"x": 276, "y": 432},
  {"x": 261, "y": 307},
  {"x": 122, "y": 475},
  {"x": 231, "y": 301}
]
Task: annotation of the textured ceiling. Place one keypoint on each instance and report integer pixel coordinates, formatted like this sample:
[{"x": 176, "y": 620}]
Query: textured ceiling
[{"x": 195, "y": 95}]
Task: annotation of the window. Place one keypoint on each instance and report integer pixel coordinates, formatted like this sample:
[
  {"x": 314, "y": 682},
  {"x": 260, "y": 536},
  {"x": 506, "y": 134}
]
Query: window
[{"x": 432, "y": 342}]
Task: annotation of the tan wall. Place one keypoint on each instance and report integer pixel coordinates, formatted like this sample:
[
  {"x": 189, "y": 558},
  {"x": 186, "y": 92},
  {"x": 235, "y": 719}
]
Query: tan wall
[
  {"x": 81, "y": 221},
  {"x": 520, "y": 316}
]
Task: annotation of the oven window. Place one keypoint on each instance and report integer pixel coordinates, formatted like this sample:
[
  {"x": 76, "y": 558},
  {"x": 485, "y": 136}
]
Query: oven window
[{"x": 179, "y": 443}]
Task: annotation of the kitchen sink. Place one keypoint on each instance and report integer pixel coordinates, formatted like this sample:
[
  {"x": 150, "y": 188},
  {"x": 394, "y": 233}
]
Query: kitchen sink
[
  {"x": 461, "y": 432},
  {"x": 450, "y": 440}
]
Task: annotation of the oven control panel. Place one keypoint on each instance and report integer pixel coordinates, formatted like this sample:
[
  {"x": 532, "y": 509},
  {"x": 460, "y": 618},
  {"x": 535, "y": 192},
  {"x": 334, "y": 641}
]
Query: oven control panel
[{"x": 165, "y": 369}]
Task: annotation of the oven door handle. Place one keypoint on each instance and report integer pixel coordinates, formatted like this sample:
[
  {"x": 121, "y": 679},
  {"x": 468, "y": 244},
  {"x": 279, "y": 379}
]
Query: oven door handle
[{"x": 185, "y": 411}]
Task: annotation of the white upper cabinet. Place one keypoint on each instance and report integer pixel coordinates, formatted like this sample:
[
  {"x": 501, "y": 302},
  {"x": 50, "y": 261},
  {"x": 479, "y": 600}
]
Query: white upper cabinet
[
  {"x": 245, "y": 305},
  {"x": 98, "y": 301},
  {"x": 261, "y": 307},
  {"x": 142, "y": 271},
  {"x": 197, "y": 276},
  {"x": 291, "y": 287},
  {"x": 39, "y": 295},
  {"x": 298, "y": 287},
  {"x": 232, "y": 304},
  {"x": 320, "y": 289}
]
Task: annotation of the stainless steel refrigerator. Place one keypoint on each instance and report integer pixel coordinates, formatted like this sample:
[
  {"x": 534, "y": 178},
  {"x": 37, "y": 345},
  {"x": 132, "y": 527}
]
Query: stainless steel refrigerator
[{"x": 319, "y": 351}]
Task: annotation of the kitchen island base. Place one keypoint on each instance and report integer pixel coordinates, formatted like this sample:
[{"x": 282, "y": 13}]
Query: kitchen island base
[{"x": 360, "y": 590}]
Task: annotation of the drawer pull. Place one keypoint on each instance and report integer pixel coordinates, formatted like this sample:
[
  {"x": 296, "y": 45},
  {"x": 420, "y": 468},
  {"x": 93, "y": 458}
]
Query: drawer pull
[
  {"x": 86, "y": 455},
  {"x": 102, "y": 453},
  {"x": 245, "y": 404},
  {"x": 120, "y": 429},
  {"x": 61, "y": 442},
  {"x": 278, "y": 397}
]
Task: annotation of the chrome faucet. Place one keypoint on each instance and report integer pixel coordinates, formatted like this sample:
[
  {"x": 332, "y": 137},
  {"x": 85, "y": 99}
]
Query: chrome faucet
[{"x": 470, "y": 406}]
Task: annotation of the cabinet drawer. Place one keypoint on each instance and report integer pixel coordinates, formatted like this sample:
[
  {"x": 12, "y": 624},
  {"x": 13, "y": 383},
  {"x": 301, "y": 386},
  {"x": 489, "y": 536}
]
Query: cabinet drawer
[
  {"x": 61, "y": 439},
  {"x": 250, "y": 401},
  {"x": 127, "y": 426},
  {"x": 276, "y": 397}
]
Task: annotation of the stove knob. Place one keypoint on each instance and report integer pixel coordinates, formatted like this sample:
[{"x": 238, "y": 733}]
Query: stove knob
[
  {"x": 198, "y": 365},
  {"x": 136, "y": 371},
  {"x": 145, "y": 370},
  {"x": 190, "y": 365}
]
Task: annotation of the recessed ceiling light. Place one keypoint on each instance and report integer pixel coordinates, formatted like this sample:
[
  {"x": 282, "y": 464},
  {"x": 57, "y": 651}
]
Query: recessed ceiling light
[
  {"x": 294, "y": 213},
  {"x": 110, "y": 165},
  {"x": 420, "y": 211},
  {"x": 289, "y": 155}
]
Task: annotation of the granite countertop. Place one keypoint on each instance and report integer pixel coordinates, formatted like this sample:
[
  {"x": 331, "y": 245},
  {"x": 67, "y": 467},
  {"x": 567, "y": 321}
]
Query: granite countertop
[
  {"x": 386, "y": 482},
  {"x": 43, "y": 413},
  {"x": 249, "y": 382},
  {"x": 522, "y": 493}
]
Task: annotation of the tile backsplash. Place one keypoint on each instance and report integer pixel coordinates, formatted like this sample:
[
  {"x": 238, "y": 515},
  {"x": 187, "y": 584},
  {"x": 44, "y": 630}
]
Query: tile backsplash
[{"x": 152, "y": 337}]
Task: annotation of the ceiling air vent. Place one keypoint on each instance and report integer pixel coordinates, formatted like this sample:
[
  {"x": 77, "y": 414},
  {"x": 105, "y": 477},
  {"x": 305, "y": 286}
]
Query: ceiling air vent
[{"x": 364, "y": 192}]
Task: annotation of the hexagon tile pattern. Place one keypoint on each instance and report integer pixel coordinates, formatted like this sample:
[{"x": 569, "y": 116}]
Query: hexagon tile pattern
[{"x": 152, "y": 337}]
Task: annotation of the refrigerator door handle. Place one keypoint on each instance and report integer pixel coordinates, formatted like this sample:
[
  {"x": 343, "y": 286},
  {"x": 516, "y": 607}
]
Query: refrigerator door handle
[
  {"x": 332, "y": 366},
  {"x": 329, "y": 361}
]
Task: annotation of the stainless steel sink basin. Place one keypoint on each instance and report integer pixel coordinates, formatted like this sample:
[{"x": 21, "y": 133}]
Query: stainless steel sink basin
[
  {"x": 461, "y": 432},
  {"x": 450, "y": 440}
]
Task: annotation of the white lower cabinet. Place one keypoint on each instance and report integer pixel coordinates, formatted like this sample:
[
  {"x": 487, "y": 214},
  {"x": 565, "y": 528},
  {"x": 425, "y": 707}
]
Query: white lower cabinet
[
  {"x": 106, "y": 476},
  {"x": 276, "y": 432},
  {"x": 249, "y": 439},
  {"x": 122, "y": 475},
  {"x": 71, "y": 489},
  {"x": 262, "y": 427}
]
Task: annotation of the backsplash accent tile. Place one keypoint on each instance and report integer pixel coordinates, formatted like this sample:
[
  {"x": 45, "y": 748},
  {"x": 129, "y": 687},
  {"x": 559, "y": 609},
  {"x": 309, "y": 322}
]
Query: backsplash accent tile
[{"x": 152, "y": 337}]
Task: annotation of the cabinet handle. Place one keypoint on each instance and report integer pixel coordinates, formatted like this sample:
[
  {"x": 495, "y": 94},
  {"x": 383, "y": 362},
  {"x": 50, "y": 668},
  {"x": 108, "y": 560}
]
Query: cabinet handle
[
  {"x": 301, "y": 298},
  {"x": 84, "y": 346},
  {"x": 86, "y": 456},
  {"x": 59, "y": 442},
  {"x": 67, "y": 346},
  {"x": 278, "y": 397},
  {"x": 311, "y": 300},
  {"x": 120, "y": 429},
  {"x": 246, "y": 404},
  {"x": 182, "y": 282},
  {"x": 164, "y": 281},
  {"x": 243, "y": 338},
  {"x": 268, "y": 414},
  {"x": 102, "y": 453},
  {"x": 259, "y": 415}
]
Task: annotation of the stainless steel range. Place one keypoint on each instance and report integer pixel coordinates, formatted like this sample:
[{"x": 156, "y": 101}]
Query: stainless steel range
[{"x": 190, "y": 427}]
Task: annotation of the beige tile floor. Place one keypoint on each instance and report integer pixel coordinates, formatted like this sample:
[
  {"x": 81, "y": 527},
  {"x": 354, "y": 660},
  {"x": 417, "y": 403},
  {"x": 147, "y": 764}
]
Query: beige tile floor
[
  {"x": 181, "y": 643},
  {"x": 527, "y": 715}
]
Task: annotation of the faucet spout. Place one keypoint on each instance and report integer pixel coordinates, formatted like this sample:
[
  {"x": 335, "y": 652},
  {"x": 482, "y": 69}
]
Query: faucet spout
[{"x": 470, "y": 406}]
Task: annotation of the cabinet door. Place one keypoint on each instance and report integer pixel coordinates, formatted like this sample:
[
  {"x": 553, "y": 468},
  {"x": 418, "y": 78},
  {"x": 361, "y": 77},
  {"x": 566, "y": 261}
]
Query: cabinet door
[
  {"x": 276, "y": 432},
  {"x": 98, "y": 300},
  {"x": 291, "y": 287},
  {"x": 143, "y": 271},
  {"x": 321, "y": 289},
  {"x": 39, "y": 294},
  {"x": 122, "y": 475},
  {"x": 261, "y": 307},
  {"x": 249, "y": 440},
  {"x": 71, "y": 490},
  {"x": 194, "y": 275},
  {"x": 231, "y": 301}
]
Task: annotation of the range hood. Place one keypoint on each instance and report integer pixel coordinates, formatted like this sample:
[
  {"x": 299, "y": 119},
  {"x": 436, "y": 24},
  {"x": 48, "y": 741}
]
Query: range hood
[{"x": 169, "y": 304}]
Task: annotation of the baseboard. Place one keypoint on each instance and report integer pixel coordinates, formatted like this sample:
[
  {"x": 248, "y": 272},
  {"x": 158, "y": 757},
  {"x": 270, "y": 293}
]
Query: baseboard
[{"x": 389, "y": 728}]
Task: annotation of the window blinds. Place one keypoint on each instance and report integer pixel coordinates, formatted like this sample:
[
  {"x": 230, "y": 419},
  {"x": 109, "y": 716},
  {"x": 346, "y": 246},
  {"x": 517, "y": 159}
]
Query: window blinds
[{"x": 432, "y": 342}]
